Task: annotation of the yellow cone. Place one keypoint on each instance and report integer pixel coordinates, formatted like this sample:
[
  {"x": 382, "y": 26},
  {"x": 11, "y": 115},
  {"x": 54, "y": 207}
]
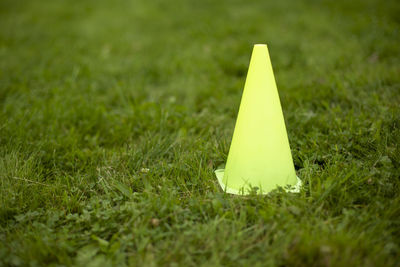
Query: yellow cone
[{"x": 259, "y": 157}]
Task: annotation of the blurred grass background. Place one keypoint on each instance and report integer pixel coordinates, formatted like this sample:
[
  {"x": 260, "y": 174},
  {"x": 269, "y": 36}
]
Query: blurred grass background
[{"x": 114, "y": 115}]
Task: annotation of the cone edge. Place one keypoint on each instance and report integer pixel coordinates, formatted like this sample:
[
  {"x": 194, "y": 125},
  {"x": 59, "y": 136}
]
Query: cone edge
[{"x": 219, "y": 173}]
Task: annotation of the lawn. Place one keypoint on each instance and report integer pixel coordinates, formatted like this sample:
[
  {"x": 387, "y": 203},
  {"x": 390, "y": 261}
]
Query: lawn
[{"x": 115, "y": 114}]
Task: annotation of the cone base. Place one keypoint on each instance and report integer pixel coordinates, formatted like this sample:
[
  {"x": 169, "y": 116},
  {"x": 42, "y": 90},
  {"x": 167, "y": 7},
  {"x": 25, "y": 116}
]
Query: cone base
[{"x": 220, "y": 175}]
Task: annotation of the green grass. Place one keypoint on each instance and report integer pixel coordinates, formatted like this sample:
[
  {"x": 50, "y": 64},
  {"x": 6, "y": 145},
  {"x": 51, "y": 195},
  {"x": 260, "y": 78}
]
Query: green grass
[{"x": 114, "y": 115}]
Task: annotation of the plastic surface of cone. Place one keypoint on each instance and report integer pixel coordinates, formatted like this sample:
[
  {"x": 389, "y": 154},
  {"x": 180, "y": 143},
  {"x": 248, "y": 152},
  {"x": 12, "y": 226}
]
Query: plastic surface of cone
[{"x": 259, "y": 157}]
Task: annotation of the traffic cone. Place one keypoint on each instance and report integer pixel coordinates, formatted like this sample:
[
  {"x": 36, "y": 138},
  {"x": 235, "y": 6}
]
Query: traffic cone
[{"x": 259, "y": 158}]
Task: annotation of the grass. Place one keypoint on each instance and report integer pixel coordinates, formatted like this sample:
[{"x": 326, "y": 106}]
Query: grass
[{"x": 114, "y": 115}]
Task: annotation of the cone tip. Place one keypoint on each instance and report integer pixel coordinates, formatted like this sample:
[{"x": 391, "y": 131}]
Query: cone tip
[{"x": 261, "y": 47}]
